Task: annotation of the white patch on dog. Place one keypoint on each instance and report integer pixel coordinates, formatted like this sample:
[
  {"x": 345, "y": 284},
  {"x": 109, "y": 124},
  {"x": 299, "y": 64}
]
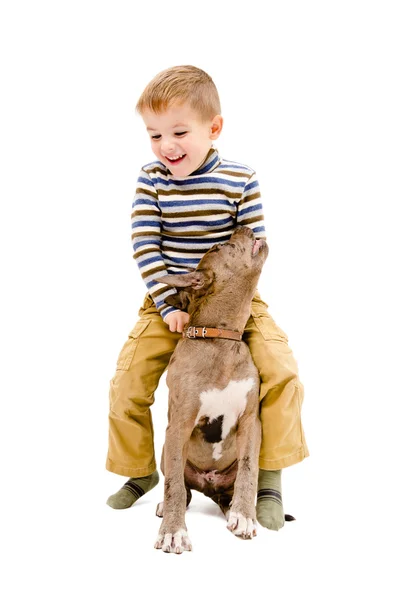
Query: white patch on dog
[
  {"x": 229, "y": 402},
  {"x": 217, "y": 450},
  {"x": 241, "y": 526},
  {"x": 174, "y": 542},
  {"x": 160, "y": 509}
]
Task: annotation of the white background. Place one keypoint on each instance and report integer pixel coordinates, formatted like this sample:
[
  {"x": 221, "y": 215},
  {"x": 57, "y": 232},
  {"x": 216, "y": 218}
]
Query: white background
[{"x": 307, "y": 100}]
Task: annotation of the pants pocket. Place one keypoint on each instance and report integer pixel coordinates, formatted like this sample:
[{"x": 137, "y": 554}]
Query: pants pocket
[
  {"x": 269, "y": 329},
  {"x": 256, "y": 300},
  {"x": 127, "y": 353},
  {"x": 146, "y": 305}
]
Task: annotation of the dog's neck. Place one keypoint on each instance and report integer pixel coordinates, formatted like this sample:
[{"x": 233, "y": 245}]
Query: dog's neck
[{"x": 225, "y": 310}]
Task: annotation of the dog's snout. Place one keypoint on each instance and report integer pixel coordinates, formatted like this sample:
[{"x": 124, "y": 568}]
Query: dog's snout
[{"x": 243, "y": 230}]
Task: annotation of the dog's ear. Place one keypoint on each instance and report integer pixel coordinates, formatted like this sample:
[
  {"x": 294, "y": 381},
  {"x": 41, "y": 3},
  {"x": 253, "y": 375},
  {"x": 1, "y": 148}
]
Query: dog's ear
[
  {"x": 195, "y": 280},
  {"x": 180, "y": 300}
]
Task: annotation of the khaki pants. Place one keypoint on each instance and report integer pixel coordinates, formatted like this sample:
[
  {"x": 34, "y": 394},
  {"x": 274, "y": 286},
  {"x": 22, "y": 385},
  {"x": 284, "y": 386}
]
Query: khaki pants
[{"x": 145, "y": 356}]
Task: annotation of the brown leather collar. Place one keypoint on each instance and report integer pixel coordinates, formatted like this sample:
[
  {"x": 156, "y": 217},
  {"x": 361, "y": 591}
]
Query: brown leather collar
[{"x": 211, "y": 332}]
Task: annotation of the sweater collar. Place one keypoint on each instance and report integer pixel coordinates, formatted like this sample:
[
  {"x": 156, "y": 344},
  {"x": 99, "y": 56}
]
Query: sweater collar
[{"x": 210, "y": 162}]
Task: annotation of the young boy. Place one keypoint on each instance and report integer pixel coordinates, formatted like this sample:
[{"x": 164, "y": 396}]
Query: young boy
[{"x": 186, "y": 201}]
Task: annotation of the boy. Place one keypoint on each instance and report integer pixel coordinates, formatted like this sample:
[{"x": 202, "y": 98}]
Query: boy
[{"x": 186, "y": 201}]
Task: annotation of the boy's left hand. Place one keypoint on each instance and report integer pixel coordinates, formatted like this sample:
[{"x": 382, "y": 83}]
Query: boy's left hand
[{"x": 177, "y": 320}]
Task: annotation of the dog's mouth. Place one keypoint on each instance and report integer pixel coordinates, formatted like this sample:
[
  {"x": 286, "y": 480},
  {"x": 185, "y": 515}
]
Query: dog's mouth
[{"x": 257, "y": 247}]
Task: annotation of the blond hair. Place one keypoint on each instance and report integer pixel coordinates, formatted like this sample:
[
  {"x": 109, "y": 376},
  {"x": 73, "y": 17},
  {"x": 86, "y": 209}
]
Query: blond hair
[{"x": 178, "y": 85}]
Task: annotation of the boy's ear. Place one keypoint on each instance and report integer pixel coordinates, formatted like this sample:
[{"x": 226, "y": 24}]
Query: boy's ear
[
  {"x": 216, "y": 127},
  {"x": 195, "y": 280}
]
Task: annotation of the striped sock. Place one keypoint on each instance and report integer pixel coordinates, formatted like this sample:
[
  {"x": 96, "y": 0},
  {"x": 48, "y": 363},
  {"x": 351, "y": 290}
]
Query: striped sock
[
  {"x": 269, "y": 507},
  {"x": 133, "y": 489}
]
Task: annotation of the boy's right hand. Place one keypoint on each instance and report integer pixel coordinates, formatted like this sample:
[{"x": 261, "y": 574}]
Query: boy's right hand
[{"x": 177, "y": 320}]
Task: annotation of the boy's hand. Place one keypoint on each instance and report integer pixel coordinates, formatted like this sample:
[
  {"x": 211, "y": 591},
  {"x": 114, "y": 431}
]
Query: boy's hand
[{"x": 177, "y": 320}]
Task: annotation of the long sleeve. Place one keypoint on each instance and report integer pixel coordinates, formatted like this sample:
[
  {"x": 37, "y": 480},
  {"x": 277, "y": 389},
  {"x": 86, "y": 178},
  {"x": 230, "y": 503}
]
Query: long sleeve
[
  {"x": 146, "y": 240},
  {"x": 250, "y": 208}
]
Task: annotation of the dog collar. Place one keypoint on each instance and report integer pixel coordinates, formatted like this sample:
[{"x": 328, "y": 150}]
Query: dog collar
[{"x": 211, "y": 332}]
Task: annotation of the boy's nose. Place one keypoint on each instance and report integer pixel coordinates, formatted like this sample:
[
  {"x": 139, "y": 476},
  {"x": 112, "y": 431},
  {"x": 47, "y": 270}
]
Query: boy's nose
[{"x": 167, "y": 147}]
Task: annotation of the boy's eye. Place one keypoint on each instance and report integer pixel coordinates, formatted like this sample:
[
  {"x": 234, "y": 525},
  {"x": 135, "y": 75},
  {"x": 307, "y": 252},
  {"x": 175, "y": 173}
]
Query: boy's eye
[
  {"x": 156, "y": 137},
  {"x": 180, "y": 133}
]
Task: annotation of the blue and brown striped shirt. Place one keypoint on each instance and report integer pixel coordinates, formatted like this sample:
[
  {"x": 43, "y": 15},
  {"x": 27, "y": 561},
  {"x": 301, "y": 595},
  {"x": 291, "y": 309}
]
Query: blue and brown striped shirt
[{"x": 175, "y": 220}]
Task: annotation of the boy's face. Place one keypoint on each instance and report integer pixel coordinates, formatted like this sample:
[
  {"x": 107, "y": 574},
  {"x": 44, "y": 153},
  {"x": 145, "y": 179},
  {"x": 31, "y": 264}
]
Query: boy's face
[{"x": 179, "y": 139}]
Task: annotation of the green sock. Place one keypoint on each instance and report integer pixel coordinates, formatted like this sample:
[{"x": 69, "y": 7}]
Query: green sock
[
  {"x": 133, "y": 489},
  {"x": 269, "y": 507}
]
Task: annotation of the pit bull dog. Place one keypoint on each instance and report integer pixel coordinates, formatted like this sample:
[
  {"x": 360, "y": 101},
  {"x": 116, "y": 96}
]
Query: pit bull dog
[{"x": 213, "y": 435}]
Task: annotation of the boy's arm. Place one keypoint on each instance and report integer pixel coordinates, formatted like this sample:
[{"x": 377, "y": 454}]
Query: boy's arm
[
  {"x": 146, "y": 240},
  {"x": 250, "y": 208}
]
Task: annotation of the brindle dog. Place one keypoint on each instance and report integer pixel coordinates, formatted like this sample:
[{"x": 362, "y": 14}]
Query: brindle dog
[{"x": 213, "y": 436}]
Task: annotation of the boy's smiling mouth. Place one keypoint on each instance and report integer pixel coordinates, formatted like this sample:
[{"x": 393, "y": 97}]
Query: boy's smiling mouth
[{"x": 176, "y": 159}]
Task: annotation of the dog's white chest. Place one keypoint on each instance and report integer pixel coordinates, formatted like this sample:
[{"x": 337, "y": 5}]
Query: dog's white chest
[{"x": 221, "y": 409}]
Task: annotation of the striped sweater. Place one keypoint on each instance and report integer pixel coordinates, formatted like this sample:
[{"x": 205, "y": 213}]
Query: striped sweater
[{"x": 175, "y": 220}]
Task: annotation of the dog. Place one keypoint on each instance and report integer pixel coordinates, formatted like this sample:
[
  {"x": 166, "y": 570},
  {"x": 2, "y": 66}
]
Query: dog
[{"x": 213, "y": 435}]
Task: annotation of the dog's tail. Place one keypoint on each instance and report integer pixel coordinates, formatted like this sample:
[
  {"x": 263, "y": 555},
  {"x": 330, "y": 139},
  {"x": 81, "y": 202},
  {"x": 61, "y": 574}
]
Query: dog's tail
[{"x": 289, "y": 518}]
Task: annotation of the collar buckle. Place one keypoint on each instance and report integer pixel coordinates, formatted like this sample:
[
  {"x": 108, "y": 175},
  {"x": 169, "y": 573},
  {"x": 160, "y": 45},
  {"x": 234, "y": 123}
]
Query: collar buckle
[{"x": 193, "y": 332}]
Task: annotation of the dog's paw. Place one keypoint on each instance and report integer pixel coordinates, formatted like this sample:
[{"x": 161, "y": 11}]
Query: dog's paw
[
  {"x": 173, "y": 542},
  {"x": 159, "y": 509},
  {"x": 241, "y": 526}
]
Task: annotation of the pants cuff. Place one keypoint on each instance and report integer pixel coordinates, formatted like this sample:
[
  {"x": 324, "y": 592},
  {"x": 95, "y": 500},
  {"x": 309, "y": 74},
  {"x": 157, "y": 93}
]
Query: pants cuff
[
  {"x": 281, "y": 463},
  {"x": 130, "y": 471}
]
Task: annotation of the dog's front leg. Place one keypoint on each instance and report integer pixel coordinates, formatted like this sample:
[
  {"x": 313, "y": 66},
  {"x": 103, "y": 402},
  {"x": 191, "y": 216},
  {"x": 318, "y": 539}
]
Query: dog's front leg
[
  {"x": 173, "y": 533},
  {"x": 242, "y": 514}
]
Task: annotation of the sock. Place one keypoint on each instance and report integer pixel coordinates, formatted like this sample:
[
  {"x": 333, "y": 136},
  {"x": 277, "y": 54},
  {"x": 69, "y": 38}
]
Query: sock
[
  {"x": 133, "y": 489},
  {"x": 269, "y": 507}
]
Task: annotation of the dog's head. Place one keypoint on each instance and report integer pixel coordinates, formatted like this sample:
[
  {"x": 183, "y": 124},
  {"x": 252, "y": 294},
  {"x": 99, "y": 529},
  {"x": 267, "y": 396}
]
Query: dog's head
[{"x": 234, "y": 265}]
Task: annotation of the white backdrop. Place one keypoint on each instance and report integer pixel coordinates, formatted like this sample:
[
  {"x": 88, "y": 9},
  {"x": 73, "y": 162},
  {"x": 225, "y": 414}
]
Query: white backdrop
[{"x": 307, "y": 97}]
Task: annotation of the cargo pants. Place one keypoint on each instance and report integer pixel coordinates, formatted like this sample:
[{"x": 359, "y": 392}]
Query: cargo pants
[{"x": 145, "y": 356}]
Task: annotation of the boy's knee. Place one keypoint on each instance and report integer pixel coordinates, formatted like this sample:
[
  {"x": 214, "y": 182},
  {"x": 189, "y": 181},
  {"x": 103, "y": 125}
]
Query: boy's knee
[
  {"x": 281, "y": 368},
  {"x": 137, "y": 406},
  {"x": 128, "y": 395},
  {"x": 281, "y": 382}
]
